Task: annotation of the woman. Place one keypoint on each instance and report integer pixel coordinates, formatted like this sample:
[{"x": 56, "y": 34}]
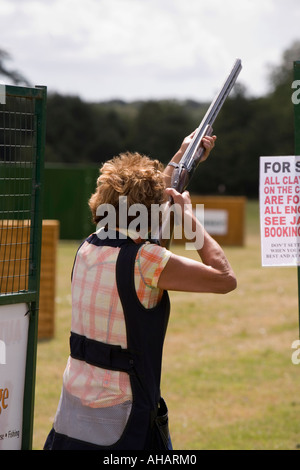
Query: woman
[{"x": 120, "y": 309}]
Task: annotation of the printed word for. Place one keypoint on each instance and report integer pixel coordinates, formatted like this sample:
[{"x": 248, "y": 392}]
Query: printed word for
[{"x": 281, "y": 167}]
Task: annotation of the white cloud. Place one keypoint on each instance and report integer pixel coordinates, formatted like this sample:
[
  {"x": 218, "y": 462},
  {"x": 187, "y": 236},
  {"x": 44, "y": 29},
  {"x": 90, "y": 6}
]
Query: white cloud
[{"x": 146, "y": 48}]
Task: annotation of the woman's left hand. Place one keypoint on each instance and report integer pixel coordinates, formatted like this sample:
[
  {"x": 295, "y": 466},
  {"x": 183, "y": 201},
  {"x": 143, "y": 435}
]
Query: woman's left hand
[{"x": 208, "y": 143}]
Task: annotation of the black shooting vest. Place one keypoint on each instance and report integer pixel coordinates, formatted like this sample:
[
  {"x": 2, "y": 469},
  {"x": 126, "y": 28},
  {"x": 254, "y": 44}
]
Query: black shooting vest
[{"x": 147, "y": 427}]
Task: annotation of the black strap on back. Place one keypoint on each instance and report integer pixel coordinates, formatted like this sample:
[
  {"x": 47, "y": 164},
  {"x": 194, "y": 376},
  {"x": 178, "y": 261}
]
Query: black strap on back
[{"x": 96, "y": 353}]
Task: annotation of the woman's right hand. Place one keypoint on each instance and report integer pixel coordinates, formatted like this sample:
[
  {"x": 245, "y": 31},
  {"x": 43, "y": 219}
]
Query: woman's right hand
[{"x": 184, "y": 199}]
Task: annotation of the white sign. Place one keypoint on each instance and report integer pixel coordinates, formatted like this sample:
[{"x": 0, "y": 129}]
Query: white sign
[
  {"x": 279, "y": 195},
  {"x": 13, "y": 348},
  {"x": 215, "y": 221}
]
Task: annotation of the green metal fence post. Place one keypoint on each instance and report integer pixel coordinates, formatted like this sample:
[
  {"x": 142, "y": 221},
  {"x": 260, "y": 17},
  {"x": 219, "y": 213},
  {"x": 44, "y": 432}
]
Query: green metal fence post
[{"x": 34, "y": 284}]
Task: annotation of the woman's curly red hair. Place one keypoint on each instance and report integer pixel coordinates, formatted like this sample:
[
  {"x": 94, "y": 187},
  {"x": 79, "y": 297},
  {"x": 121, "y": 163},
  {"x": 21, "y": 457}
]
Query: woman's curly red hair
[{"x": 136, "y": 176}]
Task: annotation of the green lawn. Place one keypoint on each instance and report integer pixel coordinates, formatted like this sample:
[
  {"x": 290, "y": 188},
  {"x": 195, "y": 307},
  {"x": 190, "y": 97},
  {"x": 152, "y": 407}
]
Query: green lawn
[{"x": 228, "y": 377}]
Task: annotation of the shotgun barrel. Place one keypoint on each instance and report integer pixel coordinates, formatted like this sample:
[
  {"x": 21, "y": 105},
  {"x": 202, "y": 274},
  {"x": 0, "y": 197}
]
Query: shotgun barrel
[{"x": 192, "y": 157}]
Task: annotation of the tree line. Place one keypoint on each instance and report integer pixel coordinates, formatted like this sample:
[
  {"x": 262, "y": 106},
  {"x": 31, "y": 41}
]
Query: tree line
[{"x": 80, "y": 132}]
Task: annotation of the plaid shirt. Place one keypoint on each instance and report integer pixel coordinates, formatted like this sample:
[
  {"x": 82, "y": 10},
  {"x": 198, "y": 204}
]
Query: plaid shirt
[{"x": 97, "y": 314}]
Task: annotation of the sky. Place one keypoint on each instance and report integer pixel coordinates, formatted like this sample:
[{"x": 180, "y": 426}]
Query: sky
[{"x": 146, "y": 49}]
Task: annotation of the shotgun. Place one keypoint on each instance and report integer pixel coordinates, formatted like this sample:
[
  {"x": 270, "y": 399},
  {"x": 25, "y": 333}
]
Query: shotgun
[{"x": 191, "y": 158}]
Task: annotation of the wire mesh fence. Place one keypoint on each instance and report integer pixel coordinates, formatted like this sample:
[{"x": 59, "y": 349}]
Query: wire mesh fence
[{"x": 17, "y": 174}]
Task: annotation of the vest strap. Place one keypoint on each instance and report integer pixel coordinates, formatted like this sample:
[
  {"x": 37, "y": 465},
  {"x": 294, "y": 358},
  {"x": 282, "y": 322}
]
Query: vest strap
[{"x": 96, "y": 353}]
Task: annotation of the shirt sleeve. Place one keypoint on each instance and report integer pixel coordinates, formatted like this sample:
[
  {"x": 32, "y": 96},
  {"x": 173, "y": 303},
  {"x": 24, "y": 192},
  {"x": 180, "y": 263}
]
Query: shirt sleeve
[{"x": 151, "y": 261}]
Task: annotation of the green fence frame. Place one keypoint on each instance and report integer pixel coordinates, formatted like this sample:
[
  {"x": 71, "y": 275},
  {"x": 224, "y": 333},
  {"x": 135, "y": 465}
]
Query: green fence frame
[{"x": 22, "y": 104}]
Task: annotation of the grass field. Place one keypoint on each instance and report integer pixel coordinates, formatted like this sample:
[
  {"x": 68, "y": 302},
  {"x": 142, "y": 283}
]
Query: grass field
[{"x": 228, "y": 377}]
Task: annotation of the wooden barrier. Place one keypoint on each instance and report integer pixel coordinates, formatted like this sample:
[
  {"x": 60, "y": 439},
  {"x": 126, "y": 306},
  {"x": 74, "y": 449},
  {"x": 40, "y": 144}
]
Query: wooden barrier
[
  {"x": 14, "y": 266},
  {"x": 224, "y": 218},
  {"x": 50, "y": 236},
  {"x": 14, "y": 255}
]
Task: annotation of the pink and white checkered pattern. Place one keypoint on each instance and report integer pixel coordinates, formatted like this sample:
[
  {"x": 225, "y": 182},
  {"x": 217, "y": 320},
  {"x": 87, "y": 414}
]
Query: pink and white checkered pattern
[{"x": 97, "y": 314}]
